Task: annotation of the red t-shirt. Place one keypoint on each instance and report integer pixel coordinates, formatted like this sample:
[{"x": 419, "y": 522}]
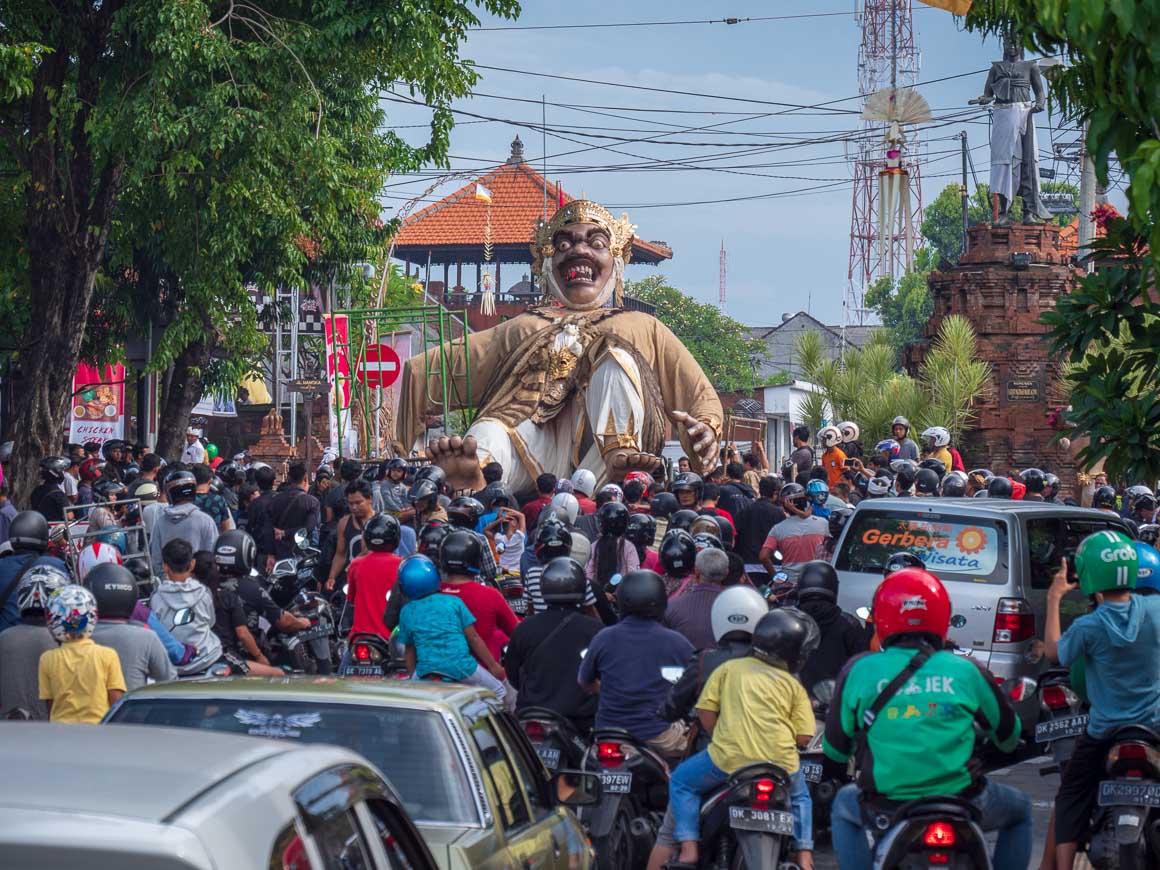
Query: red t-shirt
[
  {"x": 369, "y": 579},
  {"x": 494, "y": 620},
  {"x": 652, "y": 561},
  {"x": 532, "y": 509},
  {"x": 587, "y": 505}
]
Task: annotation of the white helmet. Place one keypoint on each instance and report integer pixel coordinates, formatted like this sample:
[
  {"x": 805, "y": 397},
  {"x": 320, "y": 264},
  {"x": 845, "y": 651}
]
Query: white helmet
[
  {"x": 850, "y": 431},
  {"x": 613, "y": 490},
  {"x": 584, "y": 481},
  {"x": 830, "y": 436},
  {"x": 940, "y": 435},
  {"x": 565, "y": 506},
  {"x": 738, "y": 608}
]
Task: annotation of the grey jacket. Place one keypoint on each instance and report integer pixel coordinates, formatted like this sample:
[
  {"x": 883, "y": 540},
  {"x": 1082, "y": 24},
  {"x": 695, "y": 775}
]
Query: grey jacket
[
  {"x": 183, "y": 521},
  {"x": 173, "y": 597}
]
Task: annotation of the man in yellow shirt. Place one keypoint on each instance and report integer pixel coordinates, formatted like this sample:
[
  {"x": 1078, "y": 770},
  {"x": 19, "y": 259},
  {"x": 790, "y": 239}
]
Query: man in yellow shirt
[
  {"x": 79, "y": 680},
  {"x": 756, "y": 711},
  {"x": 934, "y": 446}
]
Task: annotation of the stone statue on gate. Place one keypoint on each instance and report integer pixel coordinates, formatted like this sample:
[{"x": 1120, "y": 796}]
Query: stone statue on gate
[{"x": 1011, "y": 85}]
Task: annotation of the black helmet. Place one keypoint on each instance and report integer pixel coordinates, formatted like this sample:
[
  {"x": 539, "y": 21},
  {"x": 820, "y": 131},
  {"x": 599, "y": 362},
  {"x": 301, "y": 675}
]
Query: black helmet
[
  {"x": 725, "y": 531},
  {"x": 115, "y": 589},
  {"x": 54, "y": 467},
  {"x": 642, "y": 530},
  {"x": 1145, "y": 503},
  {"x": 495, "y": 494},
  {"x": 905, "y": 477},
  {"x": 382, "y": 533},
  {"x": 109, "y": 446},
  {"x": 999, "y": 487},
  {"x": 465, "y": 511},
  {"x": 1034, "y": 479},
  {"x": 431, "y": 472},
  {"x": 677, "y": 552},
  {"x": 142, "y": 573},
  {"x": 553, "y": 540},
  {"x": 1149, "y": 532},
  {"x": 707, "y": 541},
  {"x": 689, "y": 481},
  {"x": 231, "y": 473},
  {"x": 936, "y": 465},
  {"x": 424, "y": 488},
  {"x": 900, "y": 560},
  {"x": 704, "y": 523},
  {"x": 794, "y": 494},
  {"x": 107, "y": 489},
  {"x": 235, "y": 553},
  {"x": 664, "y": 504},
  {"x": 785, "y": 638},
  {"x": 683, "y": 519},
  {"x": 29, "y": 531},
  {"x": 395, "y": 462},
  {"x": 642, "y": 593},
  {"x": 838, "y": 519},
  {"x": 370, "y": 473},
  {"x": 563, "y": 582},
  {"x": 431, "y": 535},
  {"x": 1051, "y": 480},
  {"x": 1104, "y": 497},
  {"x": 180, "y": 486},
  {"x": 460, "y": 552},
  {"x": 954, "y": 485},
  {"x": 818, "y": 579},
  {"x": 926, "y": 481},
  {"x": 612, "y": 519}
]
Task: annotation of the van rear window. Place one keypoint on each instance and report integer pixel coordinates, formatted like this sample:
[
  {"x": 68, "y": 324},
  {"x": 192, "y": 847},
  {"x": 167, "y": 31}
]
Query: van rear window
[{"x": 955, "y": 548}]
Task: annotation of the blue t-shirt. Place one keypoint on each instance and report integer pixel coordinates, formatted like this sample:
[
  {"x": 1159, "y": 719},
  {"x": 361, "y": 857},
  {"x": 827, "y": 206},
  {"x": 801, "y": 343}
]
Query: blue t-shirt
[
  {"x": 1120, "y": 645},
  {"x": 408, "y": 541},
  {"x": 627, "y": 659},
  {"x": 434, "y": 627}
]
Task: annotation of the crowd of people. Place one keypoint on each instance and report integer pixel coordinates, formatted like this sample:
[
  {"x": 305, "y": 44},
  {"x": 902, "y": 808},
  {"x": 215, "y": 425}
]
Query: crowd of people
[{"x": 576, "y": 599}]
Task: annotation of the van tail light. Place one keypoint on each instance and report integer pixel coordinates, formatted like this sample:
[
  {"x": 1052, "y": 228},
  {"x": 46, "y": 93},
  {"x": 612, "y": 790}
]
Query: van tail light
[
  {"x": 1014, "y": 621},
  {"x": 763, "y": 791},
  {"x": 1058, "y": 697},
  {"x": 609, "y": 754},
  {"x": 939, "y": 835}
]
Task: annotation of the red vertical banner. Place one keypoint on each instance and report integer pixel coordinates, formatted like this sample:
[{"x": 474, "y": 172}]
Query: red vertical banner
[
  {"x": 338, "y": 370},
  {"x": 98, "y": 404}
]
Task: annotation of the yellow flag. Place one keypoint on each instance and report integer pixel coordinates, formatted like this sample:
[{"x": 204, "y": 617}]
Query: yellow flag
[
  {"x": 955, "y": 7},
  {"x": 483, "y": 193}
]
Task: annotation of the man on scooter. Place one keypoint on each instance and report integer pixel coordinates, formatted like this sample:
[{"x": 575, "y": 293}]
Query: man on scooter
[{"x": 911, "y": 711}]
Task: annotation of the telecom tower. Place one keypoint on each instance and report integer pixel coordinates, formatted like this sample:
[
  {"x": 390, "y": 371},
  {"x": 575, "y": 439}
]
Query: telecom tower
[
  {"x": 721, "y": 281},
  {"x": 887, "y": 57}
]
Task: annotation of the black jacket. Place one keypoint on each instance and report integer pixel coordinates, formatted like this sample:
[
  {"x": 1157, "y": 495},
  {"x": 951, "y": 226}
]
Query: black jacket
[
  {"x": 684, "y": 694},
  {"x": 545, "y": 673},
  {"x": 753, "y": 527},
  {"x": 735, "y": 498},
  {"x": 843, "y": 637}
]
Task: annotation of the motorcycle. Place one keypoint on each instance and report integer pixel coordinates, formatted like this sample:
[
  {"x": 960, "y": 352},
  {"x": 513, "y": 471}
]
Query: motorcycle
[
  {"x": 1126, "y": 821},
  {"x": 511, "y": 586},
  {"x": 747, "y": 821},
  {"x": 1062, "y": 718},
  {"x": 938, "y": 831},
  {"x": 823, "y": 776},
  {"x": 372, "y": 656},
  {"x": 555, "y": 738},
  {"x": 313, "y": 650}
]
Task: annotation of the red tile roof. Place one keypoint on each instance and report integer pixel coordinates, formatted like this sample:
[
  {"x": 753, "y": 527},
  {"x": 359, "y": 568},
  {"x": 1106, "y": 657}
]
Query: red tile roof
[{"x": 517, "y": 204}]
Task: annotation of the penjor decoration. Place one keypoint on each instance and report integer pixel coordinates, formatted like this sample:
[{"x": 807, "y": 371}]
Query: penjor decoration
[
  {"x": 896, "y": 107},
  {"x": 487, "y": 302}
]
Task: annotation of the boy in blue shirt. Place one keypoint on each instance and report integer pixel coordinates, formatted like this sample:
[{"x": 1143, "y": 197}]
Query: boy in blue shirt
[
  {"x": 1120, "y": 645},
  {"x": 438, "y": 632}
]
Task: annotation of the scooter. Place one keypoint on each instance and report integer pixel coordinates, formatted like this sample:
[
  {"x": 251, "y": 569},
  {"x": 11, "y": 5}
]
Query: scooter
[
  {"x": 1062, "y": 717},
  {"x": 1126, "y": 821},
  {"x": 941, "y": 832},
  {"x": 372, "y": 656},
  {"x": 823, "y": 776},
  {"x": 313, "y": 650},
  {"x": 555, "y": 738},
  {"x": 747, "y": 822}
]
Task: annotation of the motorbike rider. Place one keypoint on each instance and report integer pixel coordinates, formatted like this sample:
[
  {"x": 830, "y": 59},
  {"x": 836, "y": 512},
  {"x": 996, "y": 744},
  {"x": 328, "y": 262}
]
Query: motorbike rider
[
  {"x": 465, "y": 512},
  {"x": 181, "y": 520},
  {"x": 181, "y": 593},
  {"x": 22, "y": 645},
  {"x": 880, "y": 706},
  {"x": 1119, "y": 643},
  {"x": 1000, "y": 487},
  {"x": 642, "y": 534},
  {"x": 348, "y": 534},
  {"x": 542, "y": 656},
  {"x": 139, "y": 567},
  {"x": 677, "y": 553},
  {"x": 798, "y": 535},
  {"x": 393, "y": 488},
  {"x": 459, "y": 560},
  {"x": 1051, "y": 486},
  {"x": 935, "y": 441},
  {"x": 954, "y": 485},
  {"x": 900, "y": 430},
  {"x": 1104, "y": 499},
  {"x": 28, "y": 535},
  {"x": 48, "y": 498},
  {"x": 842, "y": 634},
  {"x": 235, "y": 555},
  {"x": 371, "y": 577},
  {"x": 833, "y": 457},
  {"x": 624, "y": 663},
  {"x": 143, "y": 656},
  {"x": 1035, "y": 481},
  {"x": 688, "y": 487},
  {"x": 756, "y": 712}
]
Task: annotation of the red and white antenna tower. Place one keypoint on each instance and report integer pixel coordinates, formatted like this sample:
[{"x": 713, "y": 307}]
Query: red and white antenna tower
[
  {"x": 721, "y": 281},
  {"x": 887, "y": 57}
]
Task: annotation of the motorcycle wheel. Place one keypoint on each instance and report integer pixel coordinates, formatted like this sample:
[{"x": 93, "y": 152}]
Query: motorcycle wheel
[
  {"x": 1133, "y": 857},
  {"x": 615, "y": 851},
  {"x": 299, "y": 661},
  {"x": 324, "y": 667}
]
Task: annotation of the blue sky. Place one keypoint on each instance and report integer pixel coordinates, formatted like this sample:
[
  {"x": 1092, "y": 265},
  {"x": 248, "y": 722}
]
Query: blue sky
[{"x": 785, "y": 253}]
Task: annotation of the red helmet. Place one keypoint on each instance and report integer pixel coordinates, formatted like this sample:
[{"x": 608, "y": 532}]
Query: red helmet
[
  {"x": 643, "y": 476},
  {"x": 911, "y": 601}
]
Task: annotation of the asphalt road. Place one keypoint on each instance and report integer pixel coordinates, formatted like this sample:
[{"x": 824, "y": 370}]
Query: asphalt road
[{"x": 1025, "y": 777}]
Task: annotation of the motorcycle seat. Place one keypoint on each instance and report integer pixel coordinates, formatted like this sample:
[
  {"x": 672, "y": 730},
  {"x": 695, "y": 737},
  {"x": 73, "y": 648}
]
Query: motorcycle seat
[
  {"x": 947, "y": 806},
  {"x": 1135, "y": 732},
  {"x": 755, "y": 771},
  {"x": 615, "y": 734}
]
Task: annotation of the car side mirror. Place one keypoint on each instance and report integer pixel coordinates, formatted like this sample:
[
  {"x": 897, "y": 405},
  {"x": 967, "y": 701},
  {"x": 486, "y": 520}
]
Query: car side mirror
[{"x": 576, "y": 788}]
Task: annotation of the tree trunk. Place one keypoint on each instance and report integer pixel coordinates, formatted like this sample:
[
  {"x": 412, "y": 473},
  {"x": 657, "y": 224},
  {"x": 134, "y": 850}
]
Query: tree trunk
[{"x": 182, "y": 393}]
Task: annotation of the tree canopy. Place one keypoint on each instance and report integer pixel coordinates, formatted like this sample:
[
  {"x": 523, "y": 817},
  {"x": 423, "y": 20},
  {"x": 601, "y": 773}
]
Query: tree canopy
[{"x": 716, "y": 341}]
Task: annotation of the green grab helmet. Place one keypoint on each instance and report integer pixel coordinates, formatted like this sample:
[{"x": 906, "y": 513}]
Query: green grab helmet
[{"x": 1106, "y": 561}]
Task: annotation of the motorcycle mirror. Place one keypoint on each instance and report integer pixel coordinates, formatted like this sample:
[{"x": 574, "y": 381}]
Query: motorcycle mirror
[
  {"x": 184, "y": 616},
  {"x": 301, "y": 539},
  {"x": 863, "y": 613},
  {"x": 576, "y": 788},
  {"x": 824, "y": 691},
  {"x": 221, "y": 669},
  {"x": 778, "y": 557},
  {"x": 615, "y": 579},
  {"x": 672, "y": 674},
  {"x": 1020, "y": 688},
  {"x": 345, "y": 588}
]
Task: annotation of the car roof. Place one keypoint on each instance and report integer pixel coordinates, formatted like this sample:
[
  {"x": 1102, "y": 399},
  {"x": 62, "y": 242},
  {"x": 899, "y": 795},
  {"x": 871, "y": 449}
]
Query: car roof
[
  {"x": 997, "y": 507},
  {"x": 371, "y": 690},
  {"x": 121, "y": 770}
]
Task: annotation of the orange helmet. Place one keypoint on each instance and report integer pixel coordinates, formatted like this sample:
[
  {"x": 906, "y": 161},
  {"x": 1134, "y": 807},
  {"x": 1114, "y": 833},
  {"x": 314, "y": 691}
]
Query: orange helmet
[{"x": 911, "y": 601}]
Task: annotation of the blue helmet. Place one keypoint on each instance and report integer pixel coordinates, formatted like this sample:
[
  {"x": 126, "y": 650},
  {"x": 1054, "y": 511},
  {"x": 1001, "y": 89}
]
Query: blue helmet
[
  {"x": 818, "y": 491},
  {"x": 1147, "y": 569},
  {"x": 418, "y": 577}
]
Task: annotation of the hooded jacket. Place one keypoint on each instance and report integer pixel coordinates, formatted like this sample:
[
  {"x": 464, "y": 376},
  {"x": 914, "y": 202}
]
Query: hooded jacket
[
  {"x": 843, "y": 637},
  {"x": 185, "y": 521},
  {"x": 1120, "y": 645},
  {"x": 171, "y": 597}
]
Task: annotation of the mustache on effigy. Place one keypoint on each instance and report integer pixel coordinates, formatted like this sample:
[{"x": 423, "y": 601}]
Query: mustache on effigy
[{"x": 610, "y": 290}]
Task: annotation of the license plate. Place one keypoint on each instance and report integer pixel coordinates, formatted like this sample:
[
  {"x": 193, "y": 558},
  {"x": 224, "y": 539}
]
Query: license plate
[
  {"x": 362, "y": 671},
  {"x": 616, "y": 783},
  {"x": 1118, "y": 793},
  {"x": 812, "y": 771},
  {"x": 765, "y": 821},
  {"x": 549, "y": 755},
  {"x": 1064, "y": 726}
]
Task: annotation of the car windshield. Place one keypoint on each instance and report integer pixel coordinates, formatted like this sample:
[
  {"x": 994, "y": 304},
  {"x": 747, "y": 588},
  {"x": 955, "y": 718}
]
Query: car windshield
[
  {"x": 412, "y": 747},
  {"x": 971, "y": 549}
]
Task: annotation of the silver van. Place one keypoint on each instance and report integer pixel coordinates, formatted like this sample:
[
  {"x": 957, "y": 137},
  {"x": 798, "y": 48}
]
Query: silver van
[{"x": 995, "y": 556}]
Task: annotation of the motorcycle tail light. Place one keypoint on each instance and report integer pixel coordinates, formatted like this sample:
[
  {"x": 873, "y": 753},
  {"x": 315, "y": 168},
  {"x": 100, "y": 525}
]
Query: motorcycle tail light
[
  {"x": 1058, "y": 697},
  {"x": 363, "y": 653},
  {"x": 1014, "y": 621},
  {"x": 610, "y": 754},
  {"x": 763, "y": 791},
  {"x": 1131, "y": 758},
  {"x": 939, "y": 835},
  {"x": 938, "y": 858},
  {"x": 536, "y": 730}
]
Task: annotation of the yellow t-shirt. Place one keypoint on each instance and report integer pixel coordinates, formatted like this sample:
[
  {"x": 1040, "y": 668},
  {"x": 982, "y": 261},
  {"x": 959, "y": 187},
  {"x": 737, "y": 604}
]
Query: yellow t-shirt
[
  {"x": 942, "y": 455},
  {"x": 761, "y": 711},
  {"x": 77, "y": 677}
]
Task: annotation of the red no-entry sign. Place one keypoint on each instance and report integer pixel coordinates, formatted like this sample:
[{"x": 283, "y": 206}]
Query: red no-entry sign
[{"x": 380, "y": 366}]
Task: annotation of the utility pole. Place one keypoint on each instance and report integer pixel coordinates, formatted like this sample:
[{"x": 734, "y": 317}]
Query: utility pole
[
  {"x": 1087, "y": 199},
  {"x": 721, "y": 281},
  {"x": 963, "y": 190}
]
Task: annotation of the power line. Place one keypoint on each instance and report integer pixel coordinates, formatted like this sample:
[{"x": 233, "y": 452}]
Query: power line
[{"x": 729, "y": 21}]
